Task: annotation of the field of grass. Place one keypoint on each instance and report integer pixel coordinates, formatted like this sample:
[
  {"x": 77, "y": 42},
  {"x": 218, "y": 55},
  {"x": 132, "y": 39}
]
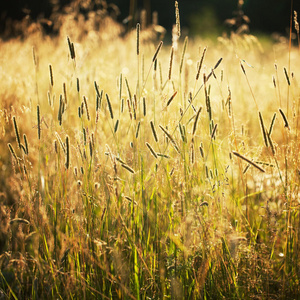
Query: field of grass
[{"x": 131, "y": 169}]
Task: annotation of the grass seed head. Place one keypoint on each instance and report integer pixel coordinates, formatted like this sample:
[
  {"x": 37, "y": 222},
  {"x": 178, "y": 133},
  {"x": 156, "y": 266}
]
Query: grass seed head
[
  {"x": 248, "y": 161},
  {"x": 77, "y": 85},
  {"x": 171, "y": 138},
  {"x": 51, "y": 75},
  {"x": 38, "y": 121},
  {"x": 17, "y": 133},
  {"x": 138, "y": 38},
  {"x": 26, "y": 143},
  {"x": 263, "y": 129},
  {"x": 67, "y": 164},
  {"x": 151, "y": 150},
  {"x": 109, "y": 106},
  {"x": 287, "y": 76},
  {"x": 71, "y": 48},
  {"x": 196, "y": 120},
  {"x": 157, "y": 51},
  {"x": 144, "y": 107},
  {"x": 285, "y": 120},
  {"x": 177, "y": 19},
  {"x": 128, "y": 168},
  {"x": 200, "y": 64},
  {"x": 116, "y": 126},
  {"x": 296, "y": 22},
  {"x": 86, "y": 108},
  {"x": 12, "y": 151},
  {"x": 153, "y": 131},
  {"x": 171, "y": 63},
  {"x": 272, "y": 124},
  {"x": 137, "y": 129},
  {"x": 65, "y": 92},
  {"x": 171, "y": 98},
  {"x": 19, "y": 221}
]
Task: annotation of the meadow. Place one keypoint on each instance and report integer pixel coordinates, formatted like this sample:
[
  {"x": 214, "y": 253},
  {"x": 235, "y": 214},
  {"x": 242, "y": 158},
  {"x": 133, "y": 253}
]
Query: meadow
[{"x": 138, "y": 169}]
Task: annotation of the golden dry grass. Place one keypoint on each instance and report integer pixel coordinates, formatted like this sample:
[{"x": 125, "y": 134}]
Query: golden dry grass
[{"x": 143, "y": 197}]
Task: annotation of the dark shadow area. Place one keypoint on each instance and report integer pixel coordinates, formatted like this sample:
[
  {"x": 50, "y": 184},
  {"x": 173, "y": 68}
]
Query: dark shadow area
[{"x": 197, "y": 17}]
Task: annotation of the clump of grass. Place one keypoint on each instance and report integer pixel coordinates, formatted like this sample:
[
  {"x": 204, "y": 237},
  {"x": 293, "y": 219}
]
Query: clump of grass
[{"x": 94, "y": 209}]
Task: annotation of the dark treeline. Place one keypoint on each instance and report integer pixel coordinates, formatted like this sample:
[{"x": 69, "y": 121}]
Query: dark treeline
[
  {"x": 197, "y": 16},
  {"x": 265, "y": 16}
]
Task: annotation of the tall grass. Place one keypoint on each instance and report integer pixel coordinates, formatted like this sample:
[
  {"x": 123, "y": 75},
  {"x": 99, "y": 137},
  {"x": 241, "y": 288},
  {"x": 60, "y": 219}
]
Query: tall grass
[{"x": 181, "y": 184}]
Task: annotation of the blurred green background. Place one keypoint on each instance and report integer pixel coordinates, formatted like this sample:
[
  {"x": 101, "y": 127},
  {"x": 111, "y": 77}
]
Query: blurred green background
[{"x": 197, "y": 16}]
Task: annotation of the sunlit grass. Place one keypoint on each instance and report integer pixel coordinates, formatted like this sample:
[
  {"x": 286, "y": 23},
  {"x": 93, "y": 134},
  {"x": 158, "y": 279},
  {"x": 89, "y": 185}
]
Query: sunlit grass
[{"x": 143, "y": 180}]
